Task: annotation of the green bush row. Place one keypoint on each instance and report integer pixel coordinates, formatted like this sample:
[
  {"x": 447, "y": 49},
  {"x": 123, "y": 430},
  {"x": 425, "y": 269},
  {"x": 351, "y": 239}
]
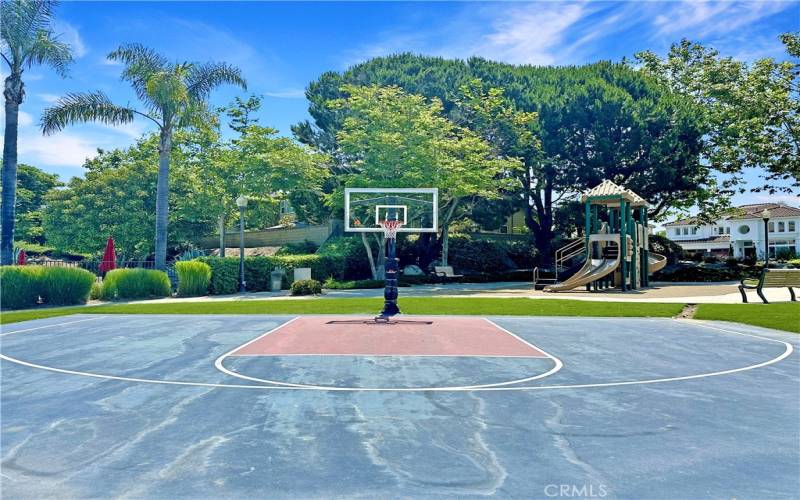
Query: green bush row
[
  {"x": 135, "y": 284},
  {"x": 22, "y": 286},
  {"x": 225, "y": 270}
]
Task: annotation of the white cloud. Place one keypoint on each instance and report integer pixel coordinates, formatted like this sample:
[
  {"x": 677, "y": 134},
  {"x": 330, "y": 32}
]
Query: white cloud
[
  {"x": 531, "y": 34},
  {"x": 48, "y": 98},
  {"x": 703, "y": 18},
  {"x": 69, "y": 35},
  {"x": 25, "y": 120},
  {"x": 65, "y": 149}
]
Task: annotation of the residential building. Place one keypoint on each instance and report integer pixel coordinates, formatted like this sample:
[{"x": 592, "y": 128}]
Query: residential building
[{"x": 741, "y": 232}]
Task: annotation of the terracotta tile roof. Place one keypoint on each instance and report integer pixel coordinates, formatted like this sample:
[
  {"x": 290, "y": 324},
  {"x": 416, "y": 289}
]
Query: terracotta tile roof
[
  {"x": 724, "y": 238},
  {"x": 754, "y": 211},
  {"x": 747, "y": 212}
]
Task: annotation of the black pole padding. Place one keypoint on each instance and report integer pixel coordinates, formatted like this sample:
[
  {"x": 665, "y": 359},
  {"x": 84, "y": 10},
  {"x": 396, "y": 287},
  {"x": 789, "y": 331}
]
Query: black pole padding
[{"x": 391, "y": 274}]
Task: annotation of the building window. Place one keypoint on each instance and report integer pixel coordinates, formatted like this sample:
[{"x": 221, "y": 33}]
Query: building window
[
  {"x": 694, "y": 230},
  {"x": 791, "y": 226},
  {"x": 781, "y": 249},
  {"x": 781, "y": 227},
  {"x": 771, "y": 227},
  {"x": 728, "y": 230},
  {"x": 685, "y": 231},
  {"x": 677, "y": 231},
  {"x": 744, "y": 229}
]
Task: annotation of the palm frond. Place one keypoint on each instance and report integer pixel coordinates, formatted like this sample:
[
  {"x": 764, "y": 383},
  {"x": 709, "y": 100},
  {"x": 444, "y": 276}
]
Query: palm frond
[
  {"x": 141, "y": 63},
  {"x": 203, "y": 78},
  {"x": 49, "y": 50},
  {"x": 22, "y": 20},
  {"x": 84, "y": 107}
]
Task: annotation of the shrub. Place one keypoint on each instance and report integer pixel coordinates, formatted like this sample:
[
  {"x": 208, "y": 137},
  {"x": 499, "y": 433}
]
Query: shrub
[
  {"x": 306, "y": 287},
  {"x": 96, "y": 293},
  {"x": 521, "y": 252},
  {"x": 193, "y": 278},
  {"x": 349, "y": 258},
  {"x": 710, "y": 259},
  {"x": 63, "y": 286},
  {"x": 136, "y": 284},
  {"x": 666, "y": 247},
  {"x": 732, "y": 262},
  {"x": 303, "y": 248},
  {"x": 471, "y": 254},
  {"x": 224, "y": 274},
  {"x": 20, "y": 286}
]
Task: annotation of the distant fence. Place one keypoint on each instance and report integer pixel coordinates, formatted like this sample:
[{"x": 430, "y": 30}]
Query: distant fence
[{"x": 275, "y": 237}]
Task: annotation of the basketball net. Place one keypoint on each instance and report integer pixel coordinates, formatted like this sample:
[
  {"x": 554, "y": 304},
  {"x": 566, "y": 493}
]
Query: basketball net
[{"x": 390, "y": 228}]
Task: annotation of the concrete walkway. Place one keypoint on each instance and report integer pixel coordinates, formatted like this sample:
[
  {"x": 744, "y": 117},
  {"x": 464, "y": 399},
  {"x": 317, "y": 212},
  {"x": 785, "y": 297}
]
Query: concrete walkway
[{"x": 696, "y": 293}]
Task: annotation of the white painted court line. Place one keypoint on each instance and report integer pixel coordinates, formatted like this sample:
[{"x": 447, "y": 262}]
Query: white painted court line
[
  {"x": 49, "y": 326},
  {"x": 787, "y": 352},
  {"x": 218, "y": 364}
]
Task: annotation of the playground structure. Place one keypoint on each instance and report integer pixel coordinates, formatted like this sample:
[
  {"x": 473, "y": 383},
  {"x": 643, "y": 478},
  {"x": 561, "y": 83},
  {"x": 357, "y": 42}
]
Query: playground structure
[{"x": 615, "y": 243}]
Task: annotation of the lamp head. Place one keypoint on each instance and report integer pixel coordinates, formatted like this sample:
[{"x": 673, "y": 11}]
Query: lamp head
[
  {"x": 766, "y": 214},
  {"x": 241, "y": 201}
]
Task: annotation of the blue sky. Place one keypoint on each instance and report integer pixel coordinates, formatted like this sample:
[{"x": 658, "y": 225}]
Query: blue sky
[{"x": 281, "y": 47}]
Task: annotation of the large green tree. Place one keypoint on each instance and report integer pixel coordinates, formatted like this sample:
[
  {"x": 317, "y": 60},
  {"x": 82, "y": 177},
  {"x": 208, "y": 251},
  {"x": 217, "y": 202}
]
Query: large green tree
[
  {"x": 32, "y": 186},
  {"x": 174, "y": 95},
  {"x": 26, "y": 39},
  {"x": 751, "y": 112},
  {"x": 257, "y": 163},
  {"x": 391, "y": 138},
  {"x": 117, "y": 197},
  {"x": 597, "y": 121}
]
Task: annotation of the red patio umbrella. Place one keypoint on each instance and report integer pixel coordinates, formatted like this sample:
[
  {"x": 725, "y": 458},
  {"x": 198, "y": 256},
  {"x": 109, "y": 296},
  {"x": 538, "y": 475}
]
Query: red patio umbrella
[
  {"x": 22, "y": 259},
  {"x": 109, "y": 257}
]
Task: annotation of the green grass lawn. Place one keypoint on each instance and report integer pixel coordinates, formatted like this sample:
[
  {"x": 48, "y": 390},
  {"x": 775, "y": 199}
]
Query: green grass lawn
[
  {"x": 781, "y": 316},
  {"x": 411, "y": 305}
]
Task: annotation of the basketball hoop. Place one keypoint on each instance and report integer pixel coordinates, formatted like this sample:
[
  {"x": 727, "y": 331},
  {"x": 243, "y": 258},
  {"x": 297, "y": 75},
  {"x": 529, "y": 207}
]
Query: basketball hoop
[{"x": 390, "y": 228}]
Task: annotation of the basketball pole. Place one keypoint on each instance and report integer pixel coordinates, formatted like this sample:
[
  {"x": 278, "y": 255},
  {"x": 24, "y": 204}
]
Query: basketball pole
[{"x": 391, "y": 272}]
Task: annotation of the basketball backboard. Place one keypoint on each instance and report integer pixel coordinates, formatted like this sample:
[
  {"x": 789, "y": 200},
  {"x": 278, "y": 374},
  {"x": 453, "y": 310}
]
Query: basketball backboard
[{"x": 416, "y": 208}]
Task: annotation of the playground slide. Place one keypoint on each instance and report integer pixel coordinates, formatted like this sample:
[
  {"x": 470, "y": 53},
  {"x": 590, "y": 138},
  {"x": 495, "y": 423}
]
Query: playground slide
[
  {"x": 594, "y": 269},
  {"x": 655, "y": 262}
]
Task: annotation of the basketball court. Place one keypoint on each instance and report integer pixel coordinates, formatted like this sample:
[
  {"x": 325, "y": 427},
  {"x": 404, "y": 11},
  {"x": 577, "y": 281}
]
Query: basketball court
[{"x": 215, "y": 406}]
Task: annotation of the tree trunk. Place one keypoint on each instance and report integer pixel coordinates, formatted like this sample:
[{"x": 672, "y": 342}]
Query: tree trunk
[
  {"x": 542, "y": 224},
  {"x": 13, "y": 94},
  {"x": 368, "y": 248},
  {"x": 162, "y": 197},
  {"x": 222, "y": 235}
]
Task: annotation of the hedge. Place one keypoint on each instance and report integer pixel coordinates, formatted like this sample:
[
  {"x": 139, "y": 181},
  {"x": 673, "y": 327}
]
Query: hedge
[
  {"x": 136, "y": 284},
  {"x": 257, "y": 270},
  {"x": 22, "y": 286}
]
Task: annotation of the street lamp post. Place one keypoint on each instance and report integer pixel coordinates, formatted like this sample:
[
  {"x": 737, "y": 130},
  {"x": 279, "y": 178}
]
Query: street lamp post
[
  {"x": 241, "y": 202},
  {"x": 765, "y": 216}
]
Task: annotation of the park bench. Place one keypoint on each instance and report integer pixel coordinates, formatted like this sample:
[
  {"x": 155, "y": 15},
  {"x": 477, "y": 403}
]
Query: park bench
[
  {"x": 771, "y": 278},
  {"x": 446, "y": 273}
]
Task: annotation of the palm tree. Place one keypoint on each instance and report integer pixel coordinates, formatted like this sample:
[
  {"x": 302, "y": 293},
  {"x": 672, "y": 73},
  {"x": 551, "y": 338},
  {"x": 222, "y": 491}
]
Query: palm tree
[
  {"x": 173, "y": 95},
  {"x": 27, "y": 39}
]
